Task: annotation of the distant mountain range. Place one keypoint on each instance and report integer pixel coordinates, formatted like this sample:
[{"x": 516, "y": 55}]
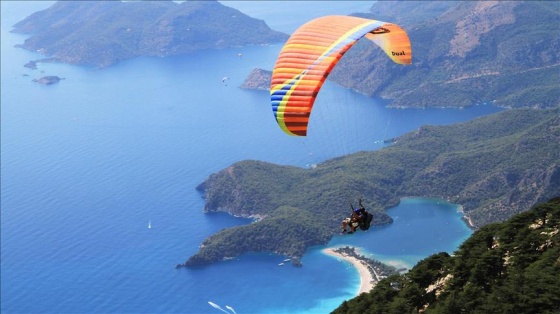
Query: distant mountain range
[
  {"x": 495, "y": 166},
  {"x": 464, "y": 53},
  {"x": 102, "y": 33},
  {"x": 509, "y": 267}
]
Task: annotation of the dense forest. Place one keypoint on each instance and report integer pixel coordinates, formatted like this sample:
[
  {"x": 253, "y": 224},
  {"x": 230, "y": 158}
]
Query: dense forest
[
  {"x": 509, "y": 267},
  {"x": 495, "y": 166}
]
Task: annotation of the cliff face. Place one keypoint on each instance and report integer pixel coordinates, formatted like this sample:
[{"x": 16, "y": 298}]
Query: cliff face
[
  {"x": 463, "y": 53},
  {"x": 102, "y": 33}
]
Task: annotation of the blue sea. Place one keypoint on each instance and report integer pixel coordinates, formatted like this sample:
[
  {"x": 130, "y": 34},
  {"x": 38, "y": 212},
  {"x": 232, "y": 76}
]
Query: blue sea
[{"x": 88, "y": 163}]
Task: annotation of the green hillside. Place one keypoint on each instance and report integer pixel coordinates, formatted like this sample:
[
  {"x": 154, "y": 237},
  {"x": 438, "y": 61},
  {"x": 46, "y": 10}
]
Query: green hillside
[
  {"x": 509, "y": 267},
  {"x": 495, "y": 166},
  {"x": 464, "y": 52},
  {"x": 102, "y": 33}
]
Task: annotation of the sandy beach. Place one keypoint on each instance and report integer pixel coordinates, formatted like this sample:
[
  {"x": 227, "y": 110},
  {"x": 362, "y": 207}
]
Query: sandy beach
[{"x": 366, "y": 279}]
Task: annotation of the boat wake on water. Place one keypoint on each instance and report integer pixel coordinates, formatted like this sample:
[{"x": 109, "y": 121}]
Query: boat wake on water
[{"x": 216, "y": 306}]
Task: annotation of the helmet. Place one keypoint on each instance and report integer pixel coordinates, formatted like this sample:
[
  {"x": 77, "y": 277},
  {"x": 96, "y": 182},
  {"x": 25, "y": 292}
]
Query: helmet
[{"x": 357, "y": 210}]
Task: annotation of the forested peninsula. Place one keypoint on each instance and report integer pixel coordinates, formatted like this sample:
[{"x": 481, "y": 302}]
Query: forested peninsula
[
  {"x": 102, "y": 33},
  {"x": 494, "y": 166},
  {"x": 509, "y": 267}
]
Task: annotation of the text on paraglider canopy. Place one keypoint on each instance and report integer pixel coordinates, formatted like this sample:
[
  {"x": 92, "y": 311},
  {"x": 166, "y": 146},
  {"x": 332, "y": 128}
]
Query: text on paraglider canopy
[{"x": 398, "y": 53}]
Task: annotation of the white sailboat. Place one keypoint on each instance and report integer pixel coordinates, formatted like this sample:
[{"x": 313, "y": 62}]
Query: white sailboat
[{"x": 149, "y": 224}]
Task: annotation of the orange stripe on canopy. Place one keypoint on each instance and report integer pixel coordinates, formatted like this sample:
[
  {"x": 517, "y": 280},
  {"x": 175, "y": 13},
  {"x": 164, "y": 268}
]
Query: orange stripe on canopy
[{"x": 311, "y": 53}]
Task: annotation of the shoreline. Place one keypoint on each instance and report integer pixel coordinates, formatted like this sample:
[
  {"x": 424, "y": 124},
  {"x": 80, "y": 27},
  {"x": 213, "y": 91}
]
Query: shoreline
[
  {"x": 466, "y": 218},
  {"x": 367, "y": 281},
  {"x": 461, "y": 208}
]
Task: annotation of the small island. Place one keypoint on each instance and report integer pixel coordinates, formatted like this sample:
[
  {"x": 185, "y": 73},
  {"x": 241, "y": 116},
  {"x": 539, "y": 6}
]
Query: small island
[
  {"x": 258, "y": 79},
  {"x": 31, "y": 64},
  {"x": 48, "y": 80}
]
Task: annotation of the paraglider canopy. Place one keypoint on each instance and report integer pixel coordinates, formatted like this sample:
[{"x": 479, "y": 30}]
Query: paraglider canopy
[{"x": 311, "y": 53}]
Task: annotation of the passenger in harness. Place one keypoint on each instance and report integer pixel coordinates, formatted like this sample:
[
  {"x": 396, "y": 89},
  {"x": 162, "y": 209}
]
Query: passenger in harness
[
  {"x": 353, "y": 222},
  {"x": 358, "y": 218}
]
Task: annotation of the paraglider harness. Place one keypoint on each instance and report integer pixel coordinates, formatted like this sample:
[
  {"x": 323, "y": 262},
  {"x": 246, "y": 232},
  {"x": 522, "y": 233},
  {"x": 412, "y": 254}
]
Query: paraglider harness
[{"x": 365, "y": 216}]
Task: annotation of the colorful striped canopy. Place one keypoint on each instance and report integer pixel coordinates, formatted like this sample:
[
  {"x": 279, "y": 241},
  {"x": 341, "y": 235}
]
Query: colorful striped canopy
[{"x": 311, "y": 53}]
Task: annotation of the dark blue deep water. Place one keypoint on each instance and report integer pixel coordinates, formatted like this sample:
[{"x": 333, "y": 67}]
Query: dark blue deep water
[{"x": 88, "y": 163}]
